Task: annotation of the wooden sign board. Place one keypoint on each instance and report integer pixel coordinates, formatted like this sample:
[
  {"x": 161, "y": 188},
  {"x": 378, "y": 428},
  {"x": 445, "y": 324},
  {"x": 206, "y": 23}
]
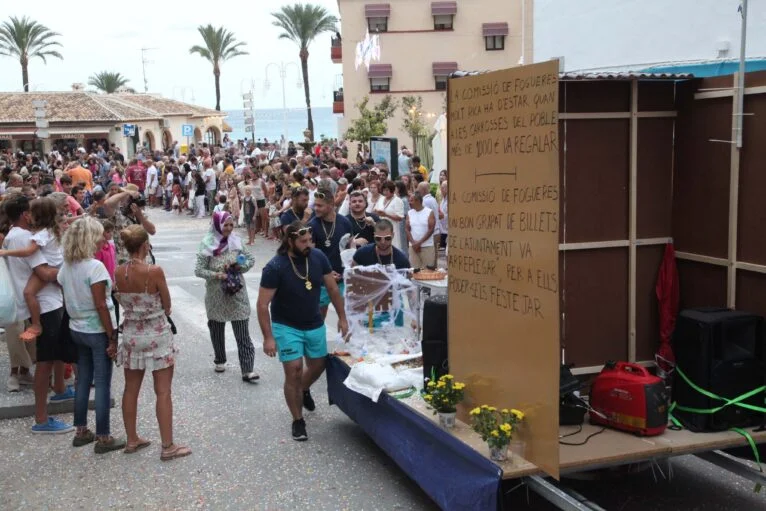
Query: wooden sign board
[{"x": 503, "y": 247}]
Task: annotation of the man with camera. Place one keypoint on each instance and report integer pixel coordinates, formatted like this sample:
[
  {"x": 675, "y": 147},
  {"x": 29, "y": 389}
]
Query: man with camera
[{"x": 131, "y": 212}]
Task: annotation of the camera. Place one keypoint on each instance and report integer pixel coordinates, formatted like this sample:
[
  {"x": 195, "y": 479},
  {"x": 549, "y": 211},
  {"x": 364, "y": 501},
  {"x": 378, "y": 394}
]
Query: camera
[{"x": 140, "y": 202}]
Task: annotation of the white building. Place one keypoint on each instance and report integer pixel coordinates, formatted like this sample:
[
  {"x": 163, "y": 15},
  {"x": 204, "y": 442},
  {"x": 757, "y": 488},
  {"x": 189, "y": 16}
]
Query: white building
[{"x": 697, "y": 36}]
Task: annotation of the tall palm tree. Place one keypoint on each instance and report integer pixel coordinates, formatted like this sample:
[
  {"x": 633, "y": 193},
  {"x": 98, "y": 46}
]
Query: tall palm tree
[
  {"x": 220, "y": 46},
  {"x": 108, "y": 82},
  {"x": 25, "y": 39},
  {"x": 302, "y": 24}
]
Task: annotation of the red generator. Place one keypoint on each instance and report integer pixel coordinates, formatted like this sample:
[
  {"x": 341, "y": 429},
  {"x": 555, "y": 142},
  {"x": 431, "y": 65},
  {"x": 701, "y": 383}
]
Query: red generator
[{"x": 626, "y": 396}]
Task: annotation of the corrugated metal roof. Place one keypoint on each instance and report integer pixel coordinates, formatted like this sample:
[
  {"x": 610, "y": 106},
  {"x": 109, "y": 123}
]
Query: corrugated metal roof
[{"x": 606, "y": 75}]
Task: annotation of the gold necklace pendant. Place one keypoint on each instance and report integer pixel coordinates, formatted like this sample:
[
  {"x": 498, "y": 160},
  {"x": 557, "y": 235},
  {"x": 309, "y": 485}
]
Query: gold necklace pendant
[{"x": 308, "y": 285}]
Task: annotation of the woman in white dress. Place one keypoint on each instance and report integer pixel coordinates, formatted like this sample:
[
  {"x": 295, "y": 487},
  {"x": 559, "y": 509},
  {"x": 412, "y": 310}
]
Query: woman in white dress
[{"x": 391, "y": 207}]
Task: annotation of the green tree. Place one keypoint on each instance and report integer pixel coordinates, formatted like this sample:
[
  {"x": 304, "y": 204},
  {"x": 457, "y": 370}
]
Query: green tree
[
  {"x": 371, "y": 122},
  {"x": 220, "y": 46},
  {"x": 26, "y": 39},
  {"x": 108, "y": 82},
  {"x": 413, "y": 121},
  {"x": 302, "y": 24}
]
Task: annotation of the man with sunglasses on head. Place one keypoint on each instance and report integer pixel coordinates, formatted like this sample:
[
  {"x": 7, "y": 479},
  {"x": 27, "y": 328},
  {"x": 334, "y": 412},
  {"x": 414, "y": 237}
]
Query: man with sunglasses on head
[
  {"x": 383, "y": 250},
  {"x": 299, "y": 210},
  {"x": 328, "y": 229},
  {"x": 362, "y": 223},
  {"x": 292, "y": 283}
]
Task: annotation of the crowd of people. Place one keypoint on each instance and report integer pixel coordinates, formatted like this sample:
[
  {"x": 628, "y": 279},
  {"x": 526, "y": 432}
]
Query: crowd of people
[{"x": 76, "y": 237}]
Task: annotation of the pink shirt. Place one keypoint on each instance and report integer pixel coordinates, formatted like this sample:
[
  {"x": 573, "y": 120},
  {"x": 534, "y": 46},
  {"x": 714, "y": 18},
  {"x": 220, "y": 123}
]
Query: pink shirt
[{"x": 107, "y": 256}]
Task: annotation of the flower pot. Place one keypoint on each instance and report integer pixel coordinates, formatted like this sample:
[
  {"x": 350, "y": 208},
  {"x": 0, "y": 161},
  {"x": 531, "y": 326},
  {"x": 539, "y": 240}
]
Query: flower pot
[
  {"x": 447, "y": 419},
  {"x": 498, "y": 453}
]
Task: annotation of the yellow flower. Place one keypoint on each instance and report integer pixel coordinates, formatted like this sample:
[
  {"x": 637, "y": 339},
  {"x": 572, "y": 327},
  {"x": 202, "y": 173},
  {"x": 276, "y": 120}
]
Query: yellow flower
[
  {"x": 458, "y": 386},
  {"x": 432, "y": 384},
  {"x": 518, "y": 413},
  {"x": 492, "y": 409},
  {"x": 447, "y": 377},
  {"x": 504, "y": 410},
  {"x": 428, "y": 397},
  {"x": 484, "y": 407},
  {"x": 475, "y": 411},
  {"x": 440, "y": 385},
  {"x": 495, "y": 433},
  {"x": 506, "y": 427}
]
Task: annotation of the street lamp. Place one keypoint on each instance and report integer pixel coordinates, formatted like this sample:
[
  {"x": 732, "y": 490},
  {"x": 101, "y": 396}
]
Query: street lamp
[{"x": 282, "y": 70}]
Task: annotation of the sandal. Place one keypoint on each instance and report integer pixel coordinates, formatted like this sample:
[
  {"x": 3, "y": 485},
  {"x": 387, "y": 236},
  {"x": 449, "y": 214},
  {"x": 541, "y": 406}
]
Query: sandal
[
  {"x": 250, "y": 378},
  {"x": 84, "y": 438},
  {"x": 31, "y": 333},
  {"x": 132, "y": 448},
  {"x": 174, "y": 451},
  {"x": 109, "y": 445}
]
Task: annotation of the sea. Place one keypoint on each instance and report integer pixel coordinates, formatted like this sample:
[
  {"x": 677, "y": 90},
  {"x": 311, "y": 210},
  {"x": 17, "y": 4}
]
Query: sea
[{"x": 269, "y": 124}]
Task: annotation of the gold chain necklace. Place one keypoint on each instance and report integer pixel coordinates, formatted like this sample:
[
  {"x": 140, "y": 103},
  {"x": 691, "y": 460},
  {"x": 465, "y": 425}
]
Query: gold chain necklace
[
  {"x": 328, "y": 236},
  {"x": 297, "y": 274},
  {"x": 361, "y": 226},
  {"x": 391, "y": 256}
]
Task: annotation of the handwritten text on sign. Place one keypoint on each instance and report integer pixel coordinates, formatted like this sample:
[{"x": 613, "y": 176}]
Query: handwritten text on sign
[{"x": 504, "y": 224}]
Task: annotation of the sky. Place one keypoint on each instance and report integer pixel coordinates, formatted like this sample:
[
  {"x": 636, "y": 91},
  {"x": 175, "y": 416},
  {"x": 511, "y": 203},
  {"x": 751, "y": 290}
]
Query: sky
[{"x": 108, "y": 36}]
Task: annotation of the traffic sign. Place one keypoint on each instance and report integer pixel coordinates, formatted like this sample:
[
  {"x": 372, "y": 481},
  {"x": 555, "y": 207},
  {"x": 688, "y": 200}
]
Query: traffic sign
[
  {"x": 248, "y": 104},
  {"x": 249, "y": 120},
  {"x": 41, "y": 123},
  {"x": 249, "y": 129},
  {"x": 43, "y": 134},
  {"x": 39, "y": 103},
  {"x": 187, "y": 130},
  {"x": 248, "y": 96},
  {"x": 40, "y": 113},
  {"x": 128, "y": 130}
]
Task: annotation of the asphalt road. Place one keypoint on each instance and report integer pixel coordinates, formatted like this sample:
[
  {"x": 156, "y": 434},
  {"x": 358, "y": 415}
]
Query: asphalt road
[{"x": 244, "y": 457}]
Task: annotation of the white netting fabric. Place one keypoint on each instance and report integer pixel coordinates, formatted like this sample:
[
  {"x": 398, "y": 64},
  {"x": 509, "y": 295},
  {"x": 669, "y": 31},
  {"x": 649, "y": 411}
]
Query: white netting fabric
[{"x": 381, "y": 305}]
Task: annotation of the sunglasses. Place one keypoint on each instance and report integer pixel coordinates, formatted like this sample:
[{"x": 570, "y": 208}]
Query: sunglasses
[
  {"x": 320, "y": 195},
  {"x": 384, "y": 238},
  {"x": 301, "y": 232}
]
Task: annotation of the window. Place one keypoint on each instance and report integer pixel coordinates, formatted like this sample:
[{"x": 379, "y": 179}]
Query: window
[
  {"x": 380, "y": 84},
  {"x": 494, "y": 42},
  {"x": 443, "y": 21},
  {"x": 378, "y": 24},
  {"x": 441, "y": 82}
]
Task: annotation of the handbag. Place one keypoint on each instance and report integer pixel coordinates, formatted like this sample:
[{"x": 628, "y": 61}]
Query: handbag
[
  {"x": 172, "y": 325},
  {"x": 233, "y": 282}
]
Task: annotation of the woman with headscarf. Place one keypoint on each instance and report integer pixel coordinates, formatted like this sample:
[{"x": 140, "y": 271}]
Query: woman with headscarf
[{"x": 222, "y": 261}]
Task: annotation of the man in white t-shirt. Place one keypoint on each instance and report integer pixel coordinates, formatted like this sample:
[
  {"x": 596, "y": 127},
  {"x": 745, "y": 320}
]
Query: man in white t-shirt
[
  {"x": 429, "y": 201},
  {"x": 169, "y": 189},
  {"x": 210, "y": 183},
  {"x": 420, "y": 230},
  {"x": 152, "y": 182},
  {"x": 53, "y": 349}
]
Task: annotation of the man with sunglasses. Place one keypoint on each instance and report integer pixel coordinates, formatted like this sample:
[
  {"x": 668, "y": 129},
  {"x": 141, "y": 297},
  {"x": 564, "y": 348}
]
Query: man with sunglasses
[
  {"x": 383, "y": 250},
  {"x": 292, "y": 283},
  {"x": 329, "y": 227},
  {"x": 362, "y": 223}
]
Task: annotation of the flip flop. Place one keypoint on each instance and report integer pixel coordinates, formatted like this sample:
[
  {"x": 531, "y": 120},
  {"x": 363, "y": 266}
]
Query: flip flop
[
  {"x": 173, "y": 452},
  {"x": 132, "y": 448}
]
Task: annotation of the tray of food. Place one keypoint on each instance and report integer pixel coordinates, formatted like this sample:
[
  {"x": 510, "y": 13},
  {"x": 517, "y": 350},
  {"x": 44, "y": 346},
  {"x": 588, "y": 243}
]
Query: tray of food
[{"x": 430, "y": 275}]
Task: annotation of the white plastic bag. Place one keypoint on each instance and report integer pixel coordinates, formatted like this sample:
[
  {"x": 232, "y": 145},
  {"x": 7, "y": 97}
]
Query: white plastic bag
[
  {"x": 7, "y": 296},
  {"x": 370, "y": 379}
]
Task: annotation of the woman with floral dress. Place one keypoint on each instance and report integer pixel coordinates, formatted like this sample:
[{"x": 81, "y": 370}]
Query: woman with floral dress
[
  {"x": 222, "y": 261},
  {"x": 147, "y": 341}
]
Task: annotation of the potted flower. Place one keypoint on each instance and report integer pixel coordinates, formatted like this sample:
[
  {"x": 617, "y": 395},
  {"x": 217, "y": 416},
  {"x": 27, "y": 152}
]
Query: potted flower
[
  {"x": 443, "y": 395},
  {"x": 496, "y": 428}
]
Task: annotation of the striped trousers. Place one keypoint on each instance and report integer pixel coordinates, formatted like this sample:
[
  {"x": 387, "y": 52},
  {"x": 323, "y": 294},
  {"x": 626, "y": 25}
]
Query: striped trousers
[{"x": 245, "y": 347}]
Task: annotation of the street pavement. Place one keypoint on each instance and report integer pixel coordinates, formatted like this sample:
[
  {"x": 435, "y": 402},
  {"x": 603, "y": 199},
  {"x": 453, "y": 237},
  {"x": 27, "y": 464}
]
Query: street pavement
[{"x": 244, "y": 457}]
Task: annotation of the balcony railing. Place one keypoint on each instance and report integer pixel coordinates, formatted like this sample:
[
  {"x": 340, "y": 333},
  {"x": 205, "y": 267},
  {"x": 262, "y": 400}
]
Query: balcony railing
[
  {"x": 336, "y": 50},
  {"x": 337, "y": 102},
  {"x": 337, "y": 95}
]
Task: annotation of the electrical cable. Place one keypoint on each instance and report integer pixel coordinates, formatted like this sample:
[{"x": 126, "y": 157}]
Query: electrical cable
[{"x": 576, "y": 444}]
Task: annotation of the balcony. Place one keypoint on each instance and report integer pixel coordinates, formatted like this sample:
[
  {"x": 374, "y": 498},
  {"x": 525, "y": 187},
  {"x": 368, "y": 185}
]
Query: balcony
[
  {"x": 337, "y": 101},
  {"x": 336, "y": 50}
]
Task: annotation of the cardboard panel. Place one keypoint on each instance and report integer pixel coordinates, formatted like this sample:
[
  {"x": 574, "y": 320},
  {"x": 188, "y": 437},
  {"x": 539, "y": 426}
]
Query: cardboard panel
[
  {"x": 752, "y": 183},
  {"x": 655, "y": 177},
  {"x": 701, "y": 284},
  {"x": 701, "y": 181},
  {"x": 648, "y": 263},
  {"x": 751, "y": 292},
  {"x": 594, "y": 178},
  {"x": 503, "y": 246},
  {"x": 594, "y": 305}
]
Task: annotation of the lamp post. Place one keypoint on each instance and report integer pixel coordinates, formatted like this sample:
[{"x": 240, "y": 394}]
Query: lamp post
[{"x": 282, "y": 70}]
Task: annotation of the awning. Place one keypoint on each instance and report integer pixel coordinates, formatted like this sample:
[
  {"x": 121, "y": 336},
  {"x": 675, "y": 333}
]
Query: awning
[
  {"x": 377, "y": 10},
  {"x": 493, "y": 29},
  {"x": 443, "y": 8},
  {"x": 64, "y": 133},
  {"x": 380, "y": 71},
  {"x": 444, "y": 68}
]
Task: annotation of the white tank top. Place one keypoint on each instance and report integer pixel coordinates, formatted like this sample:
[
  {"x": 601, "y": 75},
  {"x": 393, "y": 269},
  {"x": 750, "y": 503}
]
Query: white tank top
[{"x": 419, "y": 225}]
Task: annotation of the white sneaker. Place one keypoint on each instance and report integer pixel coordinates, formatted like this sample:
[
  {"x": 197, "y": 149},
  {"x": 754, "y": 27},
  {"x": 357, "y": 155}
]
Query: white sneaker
[
  {"x": 27, "y": 379},
  {"x": 13, "y": 383},
  {"x": 219, "y": 368}
]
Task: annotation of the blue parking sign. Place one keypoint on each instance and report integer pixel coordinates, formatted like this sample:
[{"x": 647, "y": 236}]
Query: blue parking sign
[
  {"x": 128, "y": 130},
  {"x": 187, "y": 130}
]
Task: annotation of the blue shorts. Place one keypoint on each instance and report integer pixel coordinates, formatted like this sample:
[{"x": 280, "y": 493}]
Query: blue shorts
[
  {"x": 294, "y": 344},
  {"x": 324, "y": 297}
]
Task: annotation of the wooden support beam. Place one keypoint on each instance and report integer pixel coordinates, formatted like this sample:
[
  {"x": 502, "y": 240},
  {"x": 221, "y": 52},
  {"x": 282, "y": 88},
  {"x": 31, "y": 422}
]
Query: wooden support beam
[
  {"x": 699, "y": 258},
  {"x": 731, "y": 277},
  {"x": 583, "y": 116},
  {"x": 729, "y": 93},
  {"x": 633, "y": 220}
]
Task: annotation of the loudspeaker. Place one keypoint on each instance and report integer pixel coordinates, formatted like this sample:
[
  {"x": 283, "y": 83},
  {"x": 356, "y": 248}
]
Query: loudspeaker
[
  {"x": 434, "y": 343},
  {"x": 721, "y": 351}
]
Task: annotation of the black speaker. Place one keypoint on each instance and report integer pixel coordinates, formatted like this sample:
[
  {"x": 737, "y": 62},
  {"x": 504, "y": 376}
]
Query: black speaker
[
  {"x": 721, "y": 351},
  {"x": 434, "y": 344}
]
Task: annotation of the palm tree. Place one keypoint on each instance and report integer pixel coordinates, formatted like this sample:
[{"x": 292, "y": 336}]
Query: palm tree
[
  {"x": 108, "y": 82},
  {"x": 302, "y": 24},
  {"x": 220, "y": 46},
  {"x": 25, "y": 39}
]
